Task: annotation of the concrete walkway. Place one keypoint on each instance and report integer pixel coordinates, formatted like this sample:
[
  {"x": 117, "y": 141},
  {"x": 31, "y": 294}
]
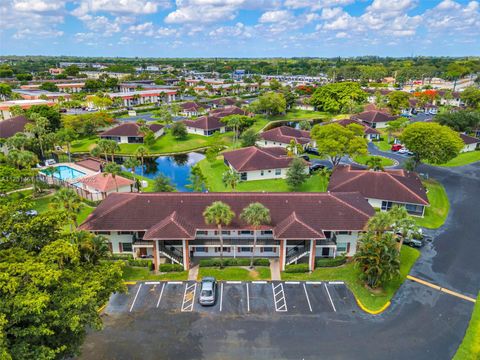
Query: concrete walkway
[
  {"x": 275, "y": 269},
  {"x": 193, "y": 273}
]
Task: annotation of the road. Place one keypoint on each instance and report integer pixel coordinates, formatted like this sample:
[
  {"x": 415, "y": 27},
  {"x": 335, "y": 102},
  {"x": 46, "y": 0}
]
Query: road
[{"x": 421, "y": 323}]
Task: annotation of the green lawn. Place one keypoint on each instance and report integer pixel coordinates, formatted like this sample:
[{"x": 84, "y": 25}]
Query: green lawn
[
  {"x": 464, "y": 159},
  {"x": 350, "y": 274},
  {"x": 469, "y": 349},
  {"x": 214, "y": 171},
  {"x": 362, "y": 159},
  {"x": 436, "y": 213},
  {"x": 135, "y": 273},
  {"x": 383, "y": 145},
  {"x": 236, "y": 273}
]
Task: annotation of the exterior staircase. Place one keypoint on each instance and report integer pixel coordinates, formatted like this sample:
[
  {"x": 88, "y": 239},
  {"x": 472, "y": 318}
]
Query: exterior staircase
[
  {"x": 295, "y": 254},
  {"x": 172, "y": 253}
]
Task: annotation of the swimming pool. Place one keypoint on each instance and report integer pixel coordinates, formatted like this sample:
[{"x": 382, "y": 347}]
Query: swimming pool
[{"x": 65, "y": 172}]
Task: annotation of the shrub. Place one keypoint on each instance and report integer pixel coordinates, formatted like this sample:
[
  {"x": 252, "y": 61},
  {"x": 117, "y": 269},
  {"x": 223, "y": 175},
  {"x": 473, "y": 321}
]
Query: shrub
[
  {"x": 234, "y": 262},
  {"x": 331, "y": 262},
  {"x": 121, "y": 257},
  {"x": 140, "y": 262},
  {"x": 296, "y": 268},
  {"x": 170, "y": 267}
]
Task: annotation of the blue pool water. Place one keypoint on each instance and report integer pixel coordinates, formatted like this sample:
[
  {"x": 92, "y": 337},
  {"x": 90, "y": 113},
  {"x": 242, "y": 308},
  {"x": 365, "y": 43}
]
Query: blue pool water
[
  {"x": 65, "y": 172},
  {"x": 177, "y": 168}
]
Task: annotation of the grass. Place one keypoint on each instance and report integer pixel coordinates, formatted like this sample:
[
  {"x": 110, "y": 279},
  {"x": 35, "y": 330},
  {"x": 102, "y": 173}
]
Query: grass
[
  {"x": 464, "y": 159},
  {"x": 351, "y": 275},
  {"x": 236, "y": 273},
  {"x": 383, "y": 145},
  {"x": 362, "y": 159},
  {"x": 469, "y": 349},
  {"x": 135, "y": 273},
  {"x": 437, "y": 212},
  {"x": 214, "y": 171}
]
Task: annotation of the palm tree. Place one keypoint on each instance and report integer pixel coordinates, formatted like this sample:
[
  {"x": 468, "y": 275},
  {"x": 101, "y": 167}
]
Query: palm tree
[
  {"x": 131, "y": 163},
  {"x": 92, "y": 248},
  {"x": 231, "y": 178},
  {"x": 375, "y": 163},
  {"x": 402, "y": 223},
  {"x": 39, "y": 129},
  {"x": 103, "y": 146},
  {"x": 68, "y": 200},
  {"x": 66, "y": 136},
  {"x": 141, "y": 152},
  {"x": 233, "y": 122},
  {"x": 114, "y": 170},
  {"x": 255, "y": 214},
  {"x": 112, "y": 147},
  {"x": 220, "y": 214},
  {"x": 294, "y": 148}
]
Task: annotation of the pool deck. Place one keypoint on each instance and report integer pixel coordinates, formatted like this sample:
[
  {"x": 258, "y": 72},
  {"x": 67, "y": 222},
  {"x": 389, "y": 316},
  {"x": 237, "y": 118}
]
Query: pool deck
[{"x": 74, "y": 166}]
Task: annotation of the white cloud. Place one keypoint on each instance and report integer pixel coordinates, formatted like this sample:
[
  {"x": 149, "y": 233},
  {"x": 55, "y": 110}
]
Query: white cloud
[
  {"x": 275, "y": 16},
  {"x": 105, "y": 26},
  {"x": 38, "y": 5},
  {"x": 316, "y": 4},
  {"x": 120, "y": 6},
  {"x": 331, "y": 13},
  {"x": 450, "y": 16}
]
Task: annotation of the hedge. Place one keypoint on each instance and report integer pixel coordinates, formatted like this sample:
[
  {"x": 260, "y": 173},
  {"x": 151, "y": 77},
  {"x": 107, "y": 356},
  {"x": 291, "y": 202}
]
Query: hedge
[
  {"x": 331, "y": 262},
  {"x": 140, "y": 262},
  {"x": 296, "y": 268},
  {"x": 170, "y": 267},
  {"x": 120, "y": 257},
  {"x": 234, "y": 262}
]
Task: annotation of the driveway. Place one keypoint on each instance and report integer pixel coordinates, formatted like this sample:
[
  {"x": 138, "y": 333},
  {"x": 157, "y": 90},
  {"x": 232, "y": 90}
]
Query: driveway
[{"x": 421, "y": 323}]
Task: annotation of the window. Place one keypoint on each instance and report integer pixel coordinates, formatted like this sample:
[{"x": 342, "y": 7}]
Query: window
[
  {"x": 102, "y": 232},
  {"x": 386, "y": 205},
  {"x": 414, "y": 209},
  {"x": 246, "y": 232},
  {"x": 225, "y": 249},
  {"x": 244, "y": 249},
  {"x": 268, "y": 249},
  {"x": 266, "y": 232},
  {"x": 125, "y": 233},
  {"x": 278, "y": 171},
  {"x": 243, "y": 176},
  {"x": 225, "y": 232},
  {"x": 201, "y": 249},
  {"x": 261, "y": 172},
  {"x": 202, "y": 232},
  {"x": 341, "y": 247},
  {"x": 126, "y": 246},
  {"x": 344, "y": 233},
  {"x": 265, "y": 143}
]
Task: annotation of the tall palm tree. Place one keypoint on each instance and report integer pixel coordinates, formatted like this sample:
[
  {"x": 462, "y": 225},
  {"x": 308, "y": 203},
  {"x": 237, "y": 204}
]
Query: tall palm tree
[
  {"x": 103, "y": 146},
  {"x": 402, "y": 223},
  {"x": 39, "y": 129},
  {"x": 255, "y": 214},
  {"x": 92, "y": 247},
  {"x": 114, "y": 170},
  {"x": 294, "y": 148},
  {"x": 141, "y": 152},
  {"x": 131, "y": 163},
  {"x": 113, "y": 147},
  {"x": 231, "y": 178},
  {"x": 68, "y": 200},
  {"x": 220, "y": 214},
  {"x": 66, "y": 136}
]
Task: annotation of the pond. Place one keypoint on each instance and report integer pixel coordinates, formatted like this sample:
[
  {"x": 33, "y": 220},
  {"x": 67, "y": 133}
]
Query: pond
[{"x": 176, "y": 167}]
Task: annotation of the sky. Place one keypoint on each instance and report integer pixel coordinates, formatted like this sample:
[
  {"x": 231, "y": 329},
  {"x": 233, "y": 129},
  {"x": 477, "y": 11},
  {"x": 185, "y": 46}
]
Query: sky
[{"x": 240, "y": 28}]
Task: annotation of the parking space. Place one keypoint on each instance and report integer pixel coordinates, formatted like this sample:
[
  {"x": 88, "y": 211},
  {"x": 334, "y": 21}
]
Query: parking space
[{"x": 237, "y": 298}]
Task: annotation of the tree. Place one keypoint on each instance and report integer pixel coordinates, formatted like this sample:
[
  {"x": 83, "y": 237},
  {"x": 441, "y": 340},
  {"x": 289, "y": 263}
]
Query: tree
[
  {"x": 394, "y": 127},
  {"x": 255, "y": 215},
  {"x": 290, "y": 98},
  {"x": 49, "y": 86},
  {"x": 141, "y": 152},
  {"x": 24, "y": 77},
  {"x": 305, "y": 125},
  {"x": 39, "y": 128},
  {"x": 294, "y": 148},
  {"x": 72, "y": 70},
  {"x": 66, "y": 199},
  {"x": 375, "y": 163},
  {"x": 296, "y": 174},
  {"x": 179, "y": 130},
  {"x": 432, "y": 142},
  {"x": 66, "y": 136},
  {"x": 219, "y": 214},
  {"x": 377, "y": 258},
  {"x": 471, "y": 96},
  {"x": 5, "y": 91},
  {"x": 398, "y": 100},
  {"x": 112, "y": 147},
  {"x": 231, "y": 178},
  {"x": 52, "y": 113},
  {"x": 163, "y": 183},
  {"x": 249, "y": 138},
  {"x": 233, "y": 122},
  {"x": 275, "y": 85},
  {"x": 165, "y": 115},
  {"x": 270, "y": 103},
  {"x": 463, "y": 120},
  {"x": 101, "y": 102},
  {"x": 22, "y": 159},
  {"x": 114, "y": 170},
  {"x": 131, "y": 163},
  {"x": 197, "y": 179},
  {"x": 336, "y": 141},
  {"x": 149, "y": 137},
  {"x": 336, "y": 97}
]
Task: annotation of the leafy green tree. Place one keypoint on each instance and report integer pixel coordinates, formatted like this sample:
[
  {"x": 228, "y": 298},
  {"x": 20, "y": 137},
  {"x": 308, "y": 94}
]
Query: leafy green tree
[
  {"x": 471, "y": 96},
  {"x": 163, "y": 183},
  {"x": 290, "y": 98},
  {"x": 432, "y": 142},
  {"x": 24, "y": 77},
  {"x": 398, "y": 100},
  {"x": 52, "y": 113},
  {"x": 336, "y": 141},
  {"x": 294, "y": 148},
  {"x": 66, "y": 136},
  {"x": 22, "y": 159},
  {"x": 219, "y": 214},
  {"x": 255, "y": 215},
  {"x": 179, "y": 130},
  {"x": 114, "y": 170},
  {"x": 164, "y": 114},
  {"x": 5, "y": 91},
  {"x": 375, "y": 163},
  {"x": 141, "y": 152},
  {"x": 297, "y": 174},
  {"x": 197, "y": 179},
  {"x": 305, "y": 125},
  {"x": 395, "y": 126},
  {"x": 275, "y": 85},
  {"x": 18, "y": 141},
  {"x": 335, "y": 97},
  {"x": 66, "y": 199},
  {"x": 249, "y": 138},
  {"x": 49, "y": 86},
  {"x": 72, "y": 70},
  {"x": 231, "y": 178},
  {"x": 463, "y": 120},
  {"x": 149, "y": 138},
  {"x": 270, "y": 103}
]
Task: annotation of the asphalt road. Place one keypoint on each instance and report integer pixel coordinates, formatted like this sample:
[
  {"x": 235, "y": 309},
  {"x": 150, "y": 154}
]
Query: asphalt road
[{"x": 421, "y": 323}]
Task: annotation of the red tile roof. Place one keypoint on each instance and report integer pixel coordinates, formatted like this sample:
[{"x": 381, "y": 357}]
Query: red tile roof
[
  {"x": 345, "y": 122},
  {"x": 392, "y": 185},
  {"x": 374, "y": 116},
  {"x": 254, "y": 158},
  {"x": 105, "y": 182},
  {"x": 205, "y": 123},
  {"x": 91, "y": 163},
  {"x": 468, "y": 140},
  {"x": 226, "y": 111},
  {"x": 129, "y": 129},
  {"x": 179, "y": 215},
  {"x": 284, "y": 134},
  {"x": 12, "y": 126},
  {"x": 192, "y": 106}
]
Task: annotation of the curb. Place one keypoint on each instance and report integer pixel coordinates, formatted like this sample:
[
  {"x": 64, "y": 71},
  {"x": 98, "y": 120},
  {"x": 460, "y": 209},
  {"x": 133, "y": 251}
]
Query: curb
[
  {"x": 372, "y": 312},
  {"x": 101, "y": 308},
  {"x": 131, "y": 282}
]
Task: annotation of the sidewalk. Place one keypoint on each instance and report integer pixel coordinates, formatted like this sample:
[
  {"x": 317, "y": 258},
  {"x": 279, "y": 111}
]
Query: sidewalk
[
  {"x": 275, "y": 269},
  {"x": 193, "y": 273}
]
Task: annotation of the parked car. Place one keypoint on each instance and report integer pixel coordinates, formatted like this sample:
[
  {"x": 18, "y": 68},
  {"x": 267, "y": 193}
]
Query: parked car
[
  {"x": 404, "y": 151},
  {"x": 418, "y": 243},
  {"x": 50, "y": 162},
  {"x": 320, "y": 164},
  {"x": 316, "y": 167},
  {"x": 312, "y": 151},
  {"x": 396, "y": 147},
  {"x": 208, "y": 291},
  {"x": 305, "y": 157}
]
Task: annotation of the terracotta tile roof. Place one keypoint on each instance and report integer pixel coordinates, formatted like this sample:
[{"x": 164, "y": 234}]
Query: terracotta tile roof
[
  {"x": 284, "y": 134},
  {"x": 254, "y": 158},
  {"x": 129, "y": 129},
  {"x": 295, "y": 229},
  {"x": 224, "y": 101},
  {"x": 468, "y": 140},
  {"x": 12, "y": 126},
  {"x": 345, "y": 122},
  {"x": 374, "y": 116},
  {"x": 192, "y": 106},
  {"x": 392, "y": 185},
  {"x": 205, "y": 123},
  {"x": 105, "y": 182},
  {"x": 181, "y": 213},
  {"x": 91, "y": 163},
  {"x": 226, "y": 111}
]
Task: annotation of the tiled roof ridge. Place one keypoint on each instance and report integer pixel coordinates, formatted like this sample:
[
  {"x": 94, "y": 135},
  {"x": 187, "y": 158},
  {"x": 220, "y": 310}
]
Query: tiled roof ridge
[
  {"x": 394, "y": 177},
  {"x": 347, "y": 204}
]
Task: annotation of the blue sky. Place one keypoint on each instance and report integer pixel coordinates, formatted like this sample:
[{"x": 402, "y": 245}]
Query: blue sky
[{"x": 239, "y": 28}]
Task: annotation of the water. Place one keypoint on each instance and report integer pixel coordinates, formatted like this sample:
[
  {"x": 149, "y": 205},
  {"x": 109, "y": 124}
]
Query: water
[
  {"x": 176, "y": 167},
  {"x": 66, "y": 172}
]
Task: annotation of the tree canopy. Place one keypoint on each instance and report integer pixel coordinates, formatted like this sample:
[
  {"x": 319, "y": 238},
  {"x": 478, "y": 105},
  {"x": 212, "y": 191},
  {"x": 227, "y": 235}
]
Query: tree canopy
[{"x": 337, "y": 97}]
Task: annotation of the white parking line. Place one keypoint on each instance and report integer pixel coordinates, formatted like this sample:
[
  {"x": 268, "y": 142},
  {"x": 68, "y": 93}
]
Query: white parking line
[
  {"x": 189, "y": 297},
  {"x": 161, "y": 293},
  {"x": 248, "y": 299},
  {"x": 152, "y": 283},
  {"x": 259, "y": 282},
  {"x": 175, "y": 282},
  {"x": 313, "y": 282},
  {"x": 336, "y": 282},
  {"x": 234, "y": 282},
  {"x": 279, "y": 297},
  {"x": 221, "y": 296},
  {"x": 308, "y": 300},
  {"x": 135, "y": 298},
  {"x": 292, "y": 282},
  {"x": 331, "y": 301}
]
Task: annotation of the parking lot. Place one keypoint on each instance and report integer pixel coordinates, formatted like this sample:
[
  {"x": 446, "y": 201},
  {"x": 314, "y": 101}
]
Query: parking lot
[{"x": 237, "y": 298}]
